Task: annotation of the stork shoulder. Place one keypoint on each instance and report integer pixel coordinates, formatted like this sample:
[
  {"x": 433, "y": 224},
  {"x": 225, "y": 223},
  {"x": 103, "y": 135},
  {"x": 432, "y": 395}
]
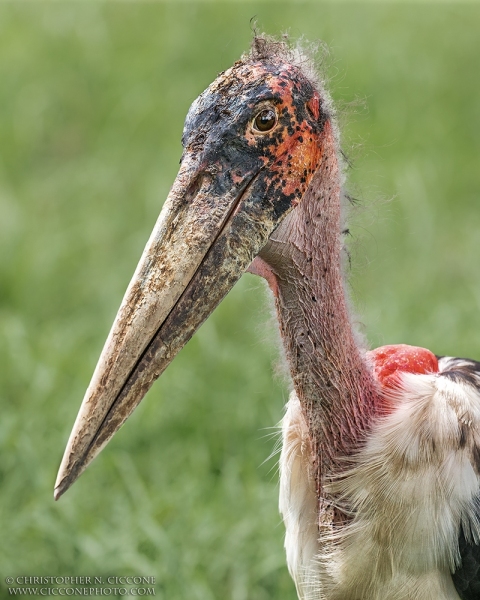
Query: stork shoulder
[{"x": 414, "y": 485}]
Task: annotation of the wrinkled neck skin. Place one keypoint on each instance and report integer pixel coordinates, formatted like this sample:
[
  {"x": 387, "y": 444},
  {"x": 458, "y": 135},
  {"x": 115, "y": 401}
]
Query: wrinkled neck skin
[{"x": 303, "y": 265}]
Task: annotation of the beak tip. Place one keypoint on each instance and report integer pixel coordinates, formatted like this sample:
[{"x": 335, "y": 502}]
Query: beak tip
[
  {"x": 62, "y": 484},
  {"x": 60, "y": 488}
]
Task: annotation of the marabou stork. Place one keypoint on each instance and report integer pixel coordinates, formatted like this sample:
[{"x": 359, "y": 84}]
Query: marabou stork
[{"x": 380, "y": 465}]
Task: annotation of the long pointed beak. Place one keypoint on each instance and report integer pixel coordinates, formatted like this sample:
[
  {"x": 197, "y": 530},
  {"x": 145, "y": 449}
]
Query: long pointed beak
[{"x": 204, "y": 239}]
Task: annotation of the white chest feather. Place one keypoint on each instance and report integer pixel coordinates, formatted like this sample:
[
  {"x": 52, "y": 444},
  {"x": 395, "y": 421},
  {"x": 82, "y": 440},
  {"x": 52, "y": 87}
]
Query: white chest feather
[{"x": 414, "y": 483}]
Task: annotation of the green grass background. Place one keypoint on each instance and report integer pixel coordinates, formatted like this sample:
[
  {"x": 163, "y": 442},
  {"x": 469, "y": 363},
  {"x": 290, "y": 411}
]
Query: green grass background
[{"x": 92, "y": 102}]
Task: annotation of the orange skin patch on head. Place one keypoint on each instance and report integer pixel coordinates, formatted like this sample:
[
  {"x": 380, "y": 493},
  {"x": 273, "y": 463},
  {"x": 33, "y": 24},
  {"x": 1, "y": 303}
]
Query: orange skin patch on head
[
  {"x": 302, "y": 159},
  {"x": 299, "y": 152},
  {"x": 389, "y": 362}
]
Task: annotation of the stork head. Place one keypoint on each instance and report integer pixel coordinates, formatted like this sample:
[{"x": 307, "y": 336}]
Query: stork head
[{"x": 252, "y": 144}]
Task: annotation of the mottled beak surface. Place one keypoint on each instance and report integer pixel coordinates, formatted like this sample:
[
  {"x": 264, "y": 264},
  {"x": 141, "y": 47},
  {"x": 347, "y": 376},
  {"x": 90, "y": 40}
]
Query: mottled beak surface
[{"x": 251, "y": 145}]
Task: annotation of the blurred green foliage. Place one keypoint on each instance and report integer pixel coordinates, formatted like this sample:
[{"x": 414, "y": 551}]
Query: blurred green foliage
[{"x": 92, "y": 101}]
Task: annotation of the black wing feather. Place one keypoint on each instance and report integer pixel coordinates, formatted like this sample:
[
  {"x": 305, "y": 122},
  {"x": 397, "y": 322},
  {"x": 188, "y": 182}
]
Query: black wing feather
[{"x": 466, "y": 578}]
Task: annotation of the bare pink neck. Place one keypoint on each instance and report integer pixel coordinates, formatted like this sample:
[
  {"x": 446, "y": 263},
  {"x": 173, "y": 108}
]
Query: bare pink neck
[{"x": 302, "y": 263}]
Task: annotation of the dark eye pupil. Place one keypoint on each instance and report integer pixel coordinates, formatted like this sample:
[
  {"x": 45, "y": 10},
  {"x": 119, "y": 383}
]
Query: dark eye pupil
[{"x": 265, "y": 120}]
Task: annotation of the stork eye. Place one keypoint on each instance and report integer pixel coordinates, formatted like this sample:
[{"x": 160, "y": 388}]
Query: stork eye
[{"x": 265, "y": 120}]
